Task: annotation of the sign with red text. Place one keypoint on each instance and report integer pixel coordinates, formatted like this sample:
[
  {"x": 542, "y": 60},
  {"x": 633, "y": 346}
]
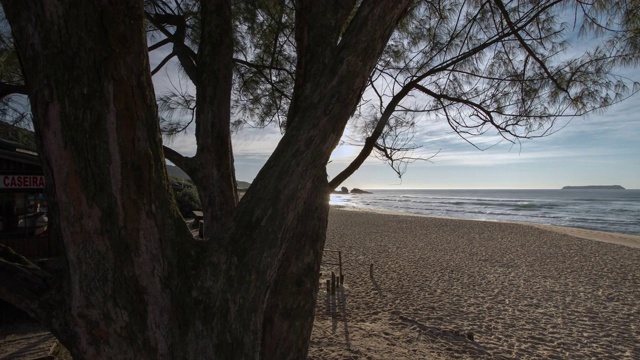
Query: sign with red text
[{"x": 21, "y": 181}]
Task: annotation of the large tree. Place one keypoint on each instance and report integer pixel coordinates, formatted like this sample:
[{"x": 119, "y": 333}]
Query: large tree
[
  {"x": 482, "y": 67},
  {"x": 135, "y": 283},
  {"x": 13, "y": 108}
]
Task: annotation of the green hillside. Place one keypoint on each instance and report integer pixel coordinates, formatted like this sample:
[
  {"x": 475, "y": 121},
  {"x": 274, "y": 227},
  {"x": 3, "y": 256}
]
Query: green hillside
[{"x": 177, "y": 172}]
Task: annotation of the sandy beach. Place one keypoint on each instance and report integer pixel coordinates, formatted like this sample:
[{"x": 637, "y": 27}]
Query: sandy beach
[{"x": 458, "y": 289}]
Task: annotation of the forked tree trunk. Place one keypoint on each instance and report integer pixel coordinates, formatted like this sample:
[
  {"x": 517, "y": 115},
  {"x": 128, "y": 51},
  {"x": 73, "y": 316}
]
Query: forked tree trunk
[
  {"x": 96, "y": 126},
  {"x": 137, "y": 285}
]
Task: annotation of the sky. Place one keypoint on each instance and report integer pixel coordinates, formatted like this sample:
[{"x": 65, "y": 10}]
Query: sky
[{"x": 599, "y": 149}]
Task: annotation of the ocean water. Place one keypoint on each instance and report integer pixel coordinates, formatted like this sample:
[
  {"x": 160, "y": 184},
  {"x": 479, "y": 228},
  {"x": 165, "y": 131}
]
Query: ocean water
[{"x": 604, "y": 210}]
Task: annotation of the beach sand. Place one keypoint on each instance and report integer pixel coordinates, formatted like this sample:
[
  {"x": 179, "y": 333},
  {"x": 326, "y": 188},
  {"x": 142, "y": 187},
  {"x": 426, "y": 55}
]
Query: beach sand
[{"x": 458, "y": 289}]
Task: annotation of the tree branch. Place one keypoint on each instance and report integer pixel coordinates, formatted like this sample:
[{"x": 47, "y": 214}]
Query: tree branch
[
  {"x": 163, "y": 62},
  {"x": 370, "y": 142},
  {"x": 183, "y": 162},
  {"x": 527, "y": 48},
  {"x": 487, "y": 115},
  {"x": 261, "y": 67},
  {"x": 261, "y": 74},
  {"x": 22, "y": 283},
  {"x": 391, "y": 107},
  {"x": 9, "y": 89},
  {"x": 186, "y": 56},
  {"x": 159, "y": 44}
]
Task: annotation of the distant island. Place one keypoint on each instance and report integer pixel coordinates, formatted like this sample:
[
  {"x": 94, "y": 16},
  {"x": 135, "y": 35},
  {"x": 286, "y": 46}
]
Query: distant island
[{"x": 594, "y": 187}]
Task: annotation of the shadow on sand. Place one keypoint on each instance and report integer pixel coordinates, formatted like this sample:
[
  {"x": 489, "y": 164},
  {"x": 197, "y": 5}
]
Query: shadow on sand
[{"x": 336, "y": 307}]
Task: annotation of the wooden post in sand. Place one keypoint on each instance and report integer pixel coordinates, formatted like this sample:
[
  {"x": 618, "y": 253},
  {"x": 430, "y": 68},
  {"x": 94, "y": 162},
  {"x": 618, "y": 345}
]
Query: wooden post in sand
[
  {"x": 333, "y": 283},
  {"x": 340, "y": 264},
  {"x": 371, "y": 270}
]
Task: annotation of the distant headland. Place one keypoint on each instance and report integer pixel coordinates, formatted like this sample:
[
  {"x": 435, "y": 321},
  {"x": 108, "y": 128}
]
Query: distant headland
[{"x": 594, "y": 187}]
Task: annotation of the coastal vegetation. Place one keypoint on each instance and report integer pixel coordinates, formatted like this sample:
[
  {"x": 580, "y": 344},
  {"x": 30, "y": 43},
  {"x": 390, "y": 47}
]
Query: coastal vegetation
[
  {"x": 186, "y": 195},
  {"x": 134, "y": 283}
]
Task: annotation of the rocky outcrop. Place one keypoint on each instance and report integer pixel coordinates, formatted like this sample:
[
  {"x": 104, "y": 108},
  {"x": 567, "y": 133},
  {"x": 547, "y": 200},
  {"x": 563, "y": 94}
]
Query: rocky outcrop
[
  {"x": 343, "y": 190},
  {"x": 358, "y": 191}
]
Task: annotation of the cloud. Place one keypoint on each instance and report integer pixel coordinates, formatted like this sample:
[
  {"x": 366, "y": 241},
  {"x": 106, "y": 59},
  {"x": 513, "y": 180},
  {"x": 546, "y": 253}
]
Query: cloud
[
  {"x": 185, "y": 144},
  {"x": 256, "y": 142},
  {"x": 485, "y": 158}
]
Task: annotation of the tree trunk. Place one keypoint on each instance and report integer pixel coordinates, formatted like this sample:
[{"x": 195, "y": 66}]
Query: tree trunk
[
  {"x": 292, "y": 299},
  {"x": 137, "y": 284},
  {"x": 214, "y": 174},
  {"x": 96, "y": 126}
]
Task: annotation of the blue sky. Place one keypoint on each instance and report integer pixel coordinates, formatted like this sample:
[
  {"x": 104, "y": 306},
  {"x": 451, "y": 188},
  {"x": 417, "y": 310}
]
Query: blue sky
[{"x": 599, "y": 149}]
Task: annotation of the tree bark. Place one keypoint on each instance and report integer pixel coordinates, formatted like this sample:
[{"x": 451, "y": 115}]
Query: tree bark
[
  {"x": 23, "y": 282},
  {"x": 211, "y": 168},
  {"x": 325, "y": 96},
  {"x": 138, "y": 285},
  {"x": 215, "y": 173},
  {"x": 96, "y": 126},
  {"x": 9, "y": 89},
  {"x": 292, "y": 298}
]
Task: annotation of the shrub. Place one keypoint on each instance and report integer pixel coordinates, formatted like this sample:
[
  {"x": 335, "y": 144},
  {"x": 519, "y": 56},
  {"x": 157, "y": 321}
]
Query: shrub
[{"x": 186, "y": 196}]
